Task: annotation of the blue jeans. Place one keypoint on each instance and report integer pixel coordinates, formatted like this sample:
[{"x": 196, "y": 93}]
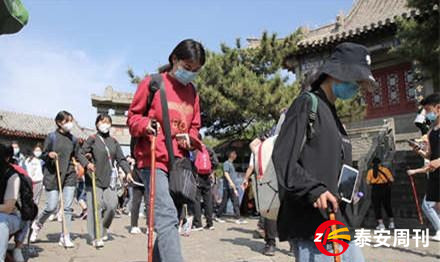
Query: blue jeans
[
  {"x": 9, "y": 224},
  {"x": 52, "y": 203},
  {"x": 306, "y": 251},
  {"x": 167, "y": 245},
  {"x": 431, "y": 213}
]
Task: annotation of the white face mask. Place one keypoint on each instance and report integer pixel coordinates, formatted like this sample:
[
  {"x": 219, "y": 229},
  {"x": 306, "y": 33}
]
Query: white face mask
[
  {"x": 37, "y": 153},
  {"x": 16, "y": 150},
  {"x": 104, "y": 128},
  {"x": 68, "y": 126}
]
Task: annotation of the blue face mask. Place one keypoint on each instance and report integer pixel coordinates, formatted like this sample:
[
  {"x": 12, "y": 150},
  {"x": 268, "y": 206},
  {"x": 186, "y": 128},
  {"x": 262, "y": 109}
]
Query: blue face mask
[
  {"x": 185, "y": 76},
  {"x": 345, "y": 90},
  {"x": 431, "y": 116}
]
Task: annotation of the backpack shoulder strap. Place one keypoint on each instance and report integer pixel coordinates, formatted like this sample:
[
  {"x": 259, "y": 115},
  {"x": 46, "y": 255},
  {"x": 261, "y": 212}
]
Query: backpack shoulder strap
[
  {"x": 52, "y": 138},
  {"x": 155, "y": 83},
  {"x": 166, "y": 124},
  {"x": 312, "y": 115}
]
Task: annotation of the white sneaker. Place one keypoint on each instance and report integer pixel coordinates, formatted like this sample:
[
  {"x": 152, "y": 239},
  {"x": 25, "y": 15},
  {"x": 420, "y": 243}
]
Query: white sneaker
[
  {"x": 66, "y": 242},
  {"x": 135, "y": 231},
  {"x": 391, "y": 226},
  {"x": 436, "y": 237},
  {"x": 142, "y": 214},
  {"x": 240, "y": 221},
  {"x": 52, "y": 217},
  {"x": 219, "y": 220},
  {"x": 380, "y": 227},
  {"x": 98, "y": 243},
  {"x": 105, "y": 235},
  {"x": 18, "y": 255},
  {"x": 59, "y": 217},
  {"x": 195, "y": 229},
  {"x": 35, "y": 230}
]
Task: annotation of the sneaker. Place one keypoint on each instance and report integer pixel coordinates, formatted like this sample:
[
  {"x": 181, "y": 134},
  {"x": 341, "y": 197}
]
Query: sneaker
[
  {"x": 209, "y": 228},
  {"x": 52, "y": 217},
  {"x": 436, "y": 237},
  {"x": 380, "y": 227},
  {"x": 135, "y": 231},
  {"x": 391, "y": 226},
  {"x": 106, "y": 234},
  {"x": 35, "y": 230},
  {"x": 219, "y": 220},
  {"x": 18, "y": 255},
  {"x": 66, "y": 242},
  {"x": 59, "y": 217},
  {"x": 240, "y": 221},
  {"x": 269, "y": 250},
  {"x": 195, "y": 228},
  {"x": 98, "y": 243},
  {"x": 142, "y": 214}
]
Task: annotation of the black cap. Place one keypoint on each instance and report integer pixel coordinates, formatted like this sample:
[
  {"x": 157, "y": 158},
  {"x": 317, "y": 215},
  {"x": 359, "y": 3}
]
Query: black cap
[{"x": 349, "y": 62}]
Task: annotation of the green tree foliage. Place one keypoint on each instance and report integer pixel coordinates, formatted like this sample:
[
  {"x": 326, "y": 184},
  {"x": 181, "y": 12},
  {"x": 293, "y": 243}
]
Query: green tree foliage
[
  {"x": 419, "y": 38},
  {"x": 243, "y": 90}
]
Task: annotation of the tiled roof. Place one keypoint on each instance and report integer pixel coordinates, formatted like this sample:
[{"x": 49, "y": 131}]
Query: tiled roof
[
  {"x": 365, "y": 16},
  {"x": 31, "y": 126}
]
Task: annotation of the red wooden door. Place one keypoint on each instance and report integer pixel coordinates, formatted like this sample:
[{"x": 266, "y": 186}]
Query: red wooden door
[{"x": 396, "y": 93}]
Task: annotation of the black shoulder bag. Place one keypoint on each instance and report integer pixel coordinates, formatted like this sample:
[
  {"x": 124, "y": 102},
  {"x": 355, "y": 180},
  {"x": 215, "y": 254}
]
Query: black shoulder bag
[{"x": 182, "y": 181}]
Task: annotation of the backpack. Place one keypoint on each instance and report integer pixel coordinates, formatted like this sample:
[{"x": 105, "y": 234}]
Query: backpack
[
  {"x": 28, "y": 209},
  {"x": 13, "y": 16},
  {"x": 203, "y": 163},
  {"x": 265, "y": 182}
]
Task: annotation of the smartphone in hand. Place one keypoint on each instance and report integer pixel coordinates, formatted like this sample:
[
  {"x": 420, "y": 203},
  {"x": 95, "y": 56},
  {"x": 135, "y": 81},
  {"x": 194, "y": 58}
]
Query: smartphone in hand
[{"x": 181, "y": 138}]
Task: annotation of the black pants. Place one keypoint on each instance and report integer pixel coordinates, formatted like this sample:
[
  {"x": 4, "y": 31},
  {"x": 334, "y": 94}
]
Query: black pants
[
  {"x": 138, "y": 194},
  {"x": 381, "y": 196},
  {"x": 270, "y": 231},
  {"x": 228, "y": 193},
  {"x": 203, "y": 192}
]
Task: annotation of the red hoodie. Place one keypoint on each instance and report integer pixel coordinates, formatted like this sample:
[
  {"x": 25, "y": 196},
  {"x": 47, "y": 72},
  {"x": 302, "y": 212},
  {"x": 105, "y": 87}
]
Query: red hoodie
[{"x": 184, "y": 111}]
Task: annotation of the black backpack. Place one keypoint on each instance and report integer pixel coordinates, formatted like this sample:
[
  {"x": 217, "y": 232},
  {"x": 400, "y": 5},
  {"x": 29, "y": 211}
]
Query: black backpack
[{"x": 28, "y": 209}]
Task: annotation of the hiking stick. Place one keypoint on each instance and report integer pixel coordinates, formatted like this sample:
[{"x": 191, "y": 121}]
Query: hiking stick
[
  {"x": 335, "y": 245},
  {"x": 95, "y": 208},
  {"x": 416, "y": 199},
  {"x": 60, "y": 190},
  {"x": 152, "y": 193}
]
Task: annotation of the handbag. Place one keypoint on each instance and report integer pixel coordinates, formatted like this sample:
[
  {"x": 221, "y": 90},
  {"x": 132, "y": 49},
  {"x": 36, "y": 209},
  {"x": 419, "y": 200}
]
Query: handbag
[{"x": 182, "y": 179}]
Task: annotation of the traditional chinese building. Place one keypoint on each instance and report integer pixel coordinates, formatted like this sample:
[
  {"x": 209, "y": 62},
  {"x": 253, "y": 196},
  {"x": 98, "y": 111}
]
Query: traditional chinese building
[{"x": 28, "y": 130}]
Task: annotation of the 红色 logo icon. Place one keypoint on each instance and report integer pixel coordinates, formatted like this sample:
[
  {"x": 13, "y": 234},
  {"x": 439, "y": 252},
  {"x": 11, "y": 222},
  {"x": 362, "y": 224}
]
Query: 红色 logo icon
[{"x": 324, "y": 235}]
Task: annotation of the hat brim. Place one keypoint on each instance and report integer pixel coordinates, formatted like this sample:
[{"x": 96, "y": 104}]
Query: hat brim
[{"x": 350, "y": 73}]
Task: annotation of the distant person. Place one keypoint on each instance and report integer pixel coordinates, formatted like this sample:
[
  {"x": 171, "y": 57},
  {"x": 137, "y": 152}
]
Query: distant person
[
  {"x": 381, "y": 179},
  {"x": 230, "y": 191},
  {"x": 18, "y": 157},
  {"x": 34, "y": 168}
]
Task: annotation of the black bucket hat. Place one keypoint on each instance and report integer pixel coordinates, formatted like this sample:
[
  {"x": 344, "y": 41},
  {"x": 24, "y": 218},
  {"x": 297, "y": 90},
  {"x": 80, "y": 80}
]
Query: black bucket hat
[{"x": 349, "y": 62}]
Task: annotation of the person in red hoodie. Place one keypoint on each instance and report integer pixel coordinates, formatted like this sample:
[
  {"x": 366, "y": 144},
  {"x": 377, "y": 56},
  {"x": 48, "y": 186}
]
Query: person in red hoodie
[{"x": 184, "y": 115}]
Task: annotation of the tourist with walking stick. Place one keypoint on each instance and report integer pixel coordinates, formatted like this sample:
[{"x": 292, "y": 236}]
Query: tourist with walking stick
[
  {"x": 100, "y": 154},
  {"x": 311, "y": 149},
  {"x": 59, "y": 176},
  {"x": 177, "y": 134},
  {"x": 431, "y": 201}
]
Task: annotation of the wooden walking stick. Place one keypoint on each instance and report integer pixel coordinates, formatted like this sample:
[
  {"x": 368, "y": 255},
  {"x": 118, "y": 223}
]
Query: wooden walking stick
[
  {"x": 60, "y": 190},
  {"x": 152, "y": 193},
  {"x": 416, "y": 199},
  {"x": 332, "y": 216},
  {"x": 95, "y": 209}
]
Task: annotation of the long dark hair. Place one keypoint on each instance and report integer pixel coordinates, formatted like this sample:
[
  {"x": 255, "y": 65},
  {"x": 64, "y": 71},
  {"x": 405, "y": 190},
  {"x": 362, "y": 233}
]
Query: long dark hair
[
  {"x": 187, "y": 49},
  {"x": 376, "y": 162},
  {"x": 6, "y": 153},
  {"x": 62, "y": 115}
]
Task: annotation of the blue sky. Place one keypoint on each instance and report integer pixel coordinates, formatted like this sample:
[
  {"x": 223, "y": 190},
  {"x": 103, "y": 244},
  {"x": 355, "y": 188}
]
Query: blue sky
[{"x": 71, "y": 49}]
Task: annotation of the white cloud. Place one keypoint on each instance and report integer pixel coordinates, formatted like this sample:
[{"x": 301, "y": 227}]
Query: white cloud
[{"x": 42, "y": 78}]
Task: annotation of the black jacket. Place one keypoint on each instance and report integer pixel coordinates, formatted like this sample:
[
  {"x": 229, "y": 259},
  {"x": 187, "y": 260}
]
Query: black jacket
[
  {"x": 66, "y": 147},
  {"x": 303, "y": 176},
  {"x": 95, "y": 146}
]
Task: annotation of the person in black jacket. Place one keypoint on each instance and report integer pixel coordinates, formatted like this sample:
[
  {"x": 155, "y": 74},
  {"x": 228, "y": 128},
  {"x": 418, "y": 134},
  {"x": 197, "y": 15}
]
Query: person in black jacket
[
  {"x": 308, "y": 158},
  {"x": 61, "y": 145},
  {"x": 99, "y": 154}
]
